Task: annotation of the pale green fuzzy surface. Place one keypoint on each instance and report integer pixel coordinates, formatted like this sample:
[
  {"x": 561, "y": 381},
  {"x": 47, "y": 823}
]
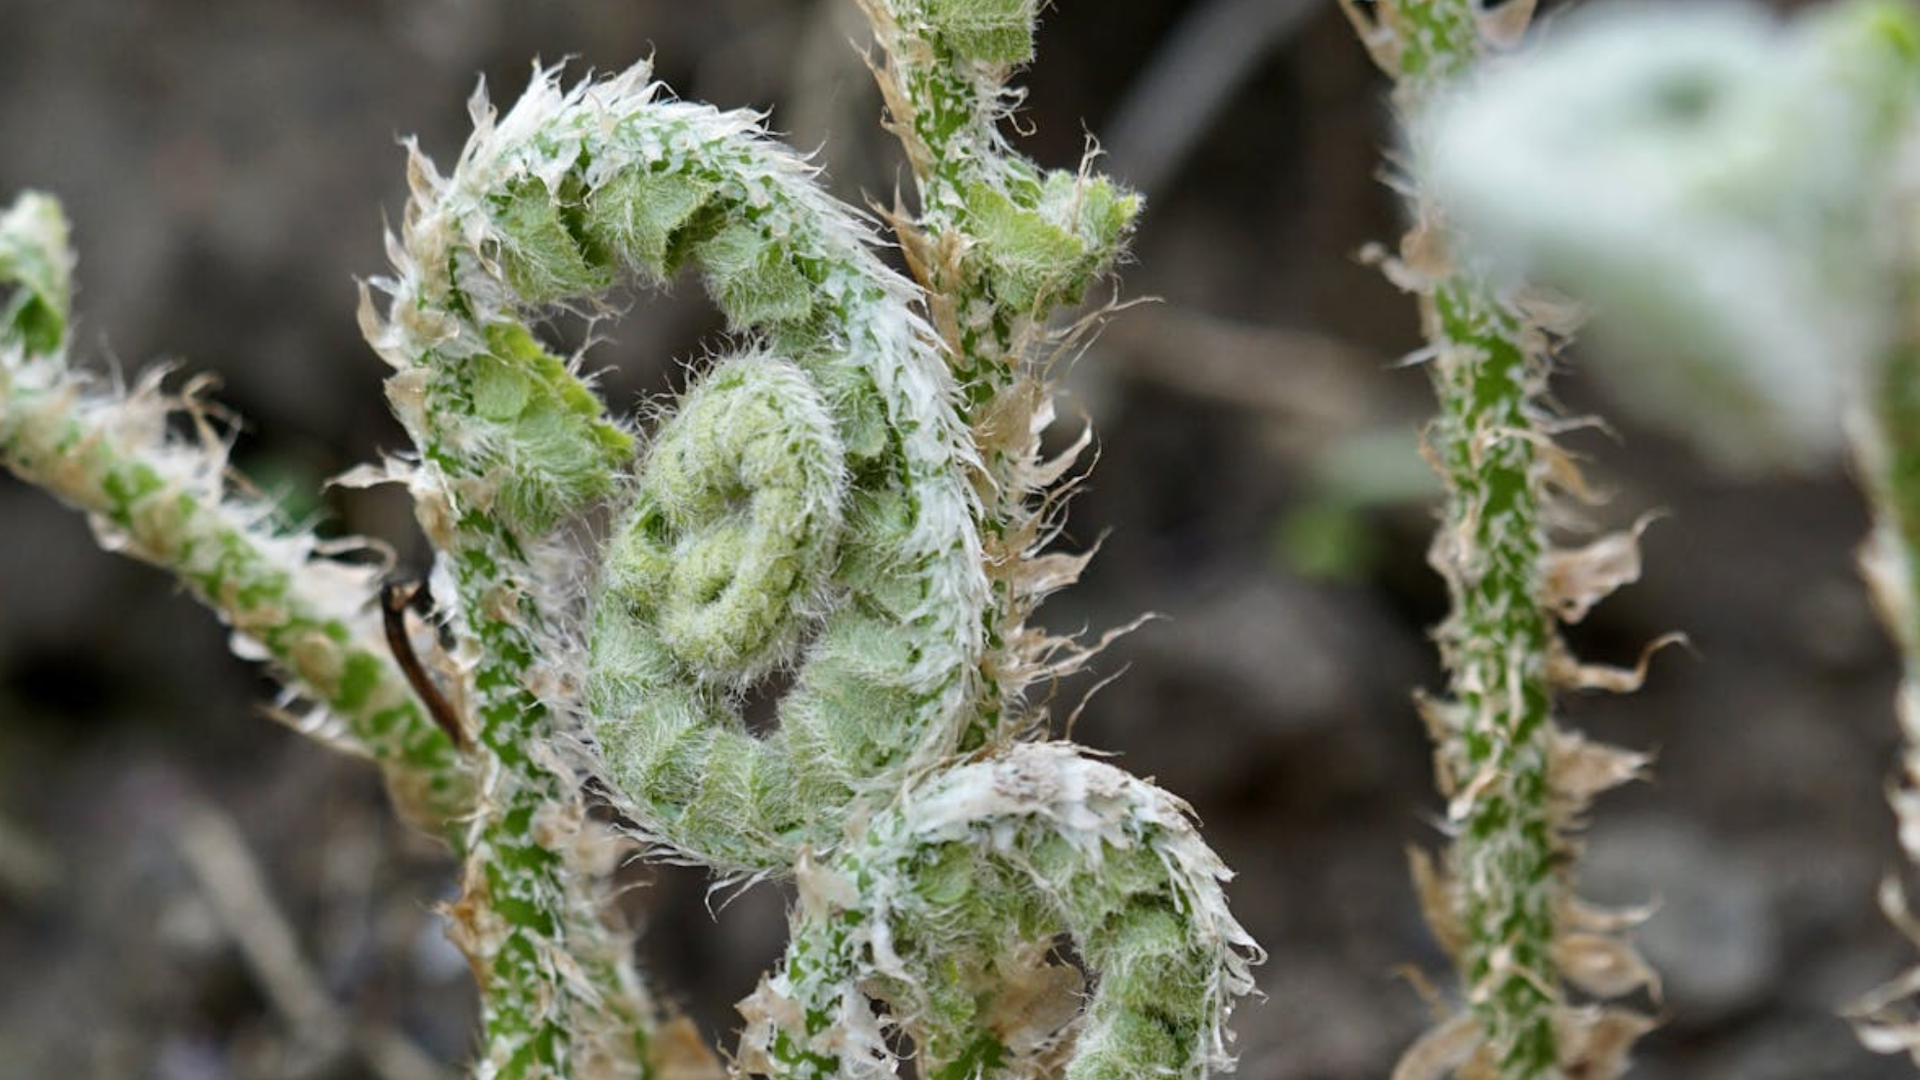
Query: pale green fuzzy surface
[
  {"x": 802, "y": 510},
  {"x": 942, "y": 898},
  {"x": 736, "y": 525}
]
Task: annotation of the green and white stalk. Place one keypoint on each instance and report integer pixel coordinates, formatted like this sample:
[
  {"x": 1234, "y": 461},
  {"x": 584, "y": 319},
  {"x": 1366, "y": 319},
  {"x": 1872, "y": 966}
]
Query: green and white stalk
[
  {"x": 1739, "y": 200},
  {"x": 167, "y": 500},
  {"x": 512, "y": 444},
  {"x": 1516, "y": 784},
  {"x": 999, "y": 244}
]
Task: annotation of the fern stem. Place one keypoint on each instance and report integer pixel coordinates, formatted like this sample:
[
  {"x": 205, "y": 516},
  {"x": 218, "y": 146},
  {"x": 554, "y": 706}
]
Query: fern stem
[
  {"x": 1496, "y": 742},
  {"x": 512, "y": 443},
  {"x": 999, "y": 244},
  {"x": 165, "y": 500},
  {"x": 1495, "y": 734}
]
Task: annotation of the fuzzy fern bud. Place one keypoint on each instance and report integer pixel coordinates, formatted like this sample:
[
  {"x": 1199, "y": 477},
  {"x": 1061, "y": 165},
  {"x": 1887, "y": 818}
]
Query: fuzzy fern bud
[
  {"x": 737, "y": 520},
  {"x": 1045, "y": 238}
]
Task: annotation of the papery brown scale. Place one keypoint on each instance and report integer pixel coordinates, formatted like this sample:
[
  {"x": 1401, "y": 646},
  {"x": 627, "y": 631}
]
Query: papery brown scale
[
  {"x": 1595, "y": 1042},
  {"x": 1579, "y": 914},
  {"x": 1569, "y": 673},
  {"x": 1438, "y": 902},
  {"x": 1579, "y": 768},
  {"x": 1603, "y": 965},
  {"x": 1376, "y": 34},
  {"x": 1576, "y": 579}
]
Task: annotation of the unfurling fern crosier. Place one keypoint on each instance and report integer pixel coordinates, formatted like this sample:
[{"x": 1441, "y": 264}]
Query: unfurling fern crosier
[
  {"x": 853, "y": 505},
  {"x": 838, "y": 504}
]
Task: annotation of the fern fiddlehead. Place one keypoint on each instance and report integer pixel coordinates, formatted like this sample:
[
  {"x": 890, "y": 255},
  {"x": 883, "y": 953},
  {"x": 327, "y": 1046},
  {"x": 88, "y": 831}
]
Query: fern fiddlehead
[
  {"x": 705, "y": 583},
  {"x": 946, "y": 907},
  {"x": 854, "y": 500},
  {"x": 806, "y": 508},
  {"x": 945, "y": 904}
]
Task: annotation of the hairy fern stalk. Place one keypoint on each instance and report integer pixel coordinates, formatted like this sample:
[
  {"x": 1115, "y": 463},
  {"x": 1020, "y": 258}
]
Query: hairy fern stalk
[
  {"x": 1741, "y": 204},
  {"x": 853, "y": 501},
  {"x": 1517, "y": 785}
]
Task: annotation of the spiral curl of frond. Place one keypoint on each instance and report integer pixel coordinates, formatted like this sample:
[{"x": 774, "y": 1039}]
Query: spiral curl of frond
[{"x": 809, "y": 510}]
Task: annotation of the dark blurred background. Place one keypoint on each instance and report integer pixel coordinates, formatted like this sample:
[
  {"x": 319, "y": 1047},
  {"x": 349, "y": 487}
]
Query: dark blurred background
[{"x": 229, "y": 166}]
